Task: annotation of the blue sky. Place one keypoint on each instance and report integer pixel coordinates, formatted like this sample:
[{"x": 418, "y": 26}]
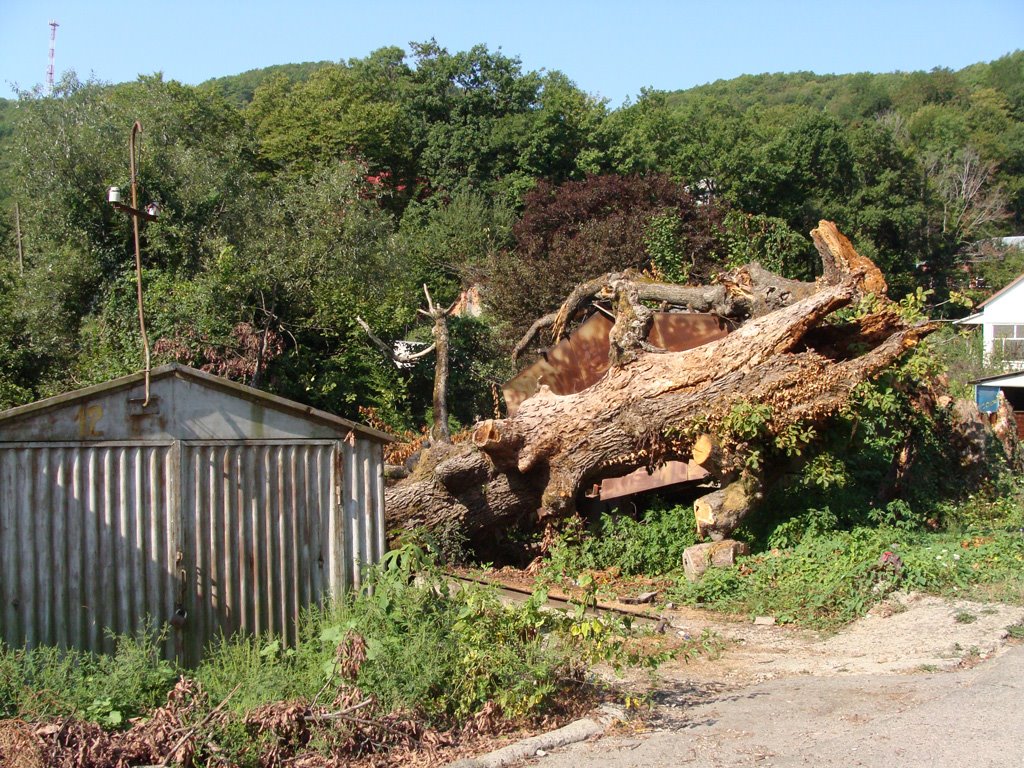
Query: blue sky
[{"x": 610, "y": 49}]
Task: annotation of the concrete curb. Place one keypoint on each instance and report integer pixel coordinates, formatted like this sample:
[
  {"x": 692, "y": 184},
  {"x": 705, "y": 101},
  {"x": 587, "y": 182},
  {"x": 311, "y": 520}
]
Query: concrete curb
[{"x": 578, "y": 730}]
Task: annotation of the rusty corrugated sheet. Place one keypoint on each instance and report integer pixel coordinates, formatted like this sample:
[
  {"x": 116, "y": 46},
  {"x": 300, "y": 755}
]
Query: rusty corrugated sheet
[
  {"x": 363, "y": 493},
  {"x": 263, "y": 534},
  {"x": 640, "y": 480},
  {"x": 242, "y": 535},
  {"x": 579, "y": 361},
  {"x": 87, "y": 533}
]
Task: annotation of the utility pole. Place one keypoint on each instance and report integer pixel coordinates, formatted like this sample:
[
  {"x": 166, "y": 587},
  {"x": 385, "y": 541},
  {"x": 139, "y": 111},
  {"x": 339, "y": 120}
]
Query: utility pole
[
  {"x": 53, "y": 48},
  {"x": 17, "y": 230},
  {"x": 148, "y": 214}
]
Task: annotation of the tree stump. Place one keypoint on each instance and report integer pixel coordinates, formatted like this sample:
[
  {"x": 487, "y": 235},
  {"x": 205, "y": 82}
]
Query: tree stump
[{"x": 714, "y": 554}]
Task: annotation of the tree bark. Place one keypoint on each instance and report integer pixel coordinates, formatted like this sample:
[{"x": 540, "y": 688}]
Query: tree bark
[
  {"x": 439, "y": 431},
  {"x": 530, "y": 467}
]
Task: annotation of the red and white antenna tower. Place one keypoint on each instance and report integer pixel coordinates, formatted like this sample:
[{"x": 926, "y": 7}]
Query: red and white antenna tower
[{"x": 53, "y": 46}]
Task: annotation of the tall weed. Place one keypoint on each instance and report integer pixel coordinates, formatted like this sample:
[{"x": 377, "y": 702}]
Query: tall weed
[
  {"x": 652, "y": 545},
  {"x": 48, "y": 682}
]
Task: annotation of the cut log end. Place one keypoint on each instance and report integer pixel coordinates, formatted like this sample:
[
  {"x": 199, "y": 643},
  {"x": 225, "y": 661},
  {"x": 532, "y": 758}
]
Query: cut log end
[
  {"x": 703, "y": 448},
  {"x": 720, "y": 513},
  {"x": 716, "y": 554}
]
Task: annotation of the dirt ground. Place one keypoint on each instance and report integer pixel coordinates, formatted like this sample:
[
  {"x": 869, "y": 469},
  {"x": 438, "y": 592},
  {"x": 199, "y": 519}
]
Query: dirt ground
[
  {"x": 906, "y": 633},
  {"x": 919, "y": 681}
]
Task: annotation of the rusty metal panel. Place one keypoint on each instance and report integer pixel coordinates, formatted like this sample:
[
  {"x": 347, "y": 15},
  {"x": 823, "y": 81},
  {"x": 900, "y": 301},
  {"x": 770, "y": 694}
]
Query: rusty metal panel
[
  {"x": 242, "y": 535},
  {"x": 271, "y": 527},
  {"x": 579, "y": 361},
  {"x": 184, "y": 404},
  {"x": 679, "y": 331},
  {"x": 669, "y": 473},
  {"x": 362, "y": 484},
  {"x": 244, "y": 511},
  {"x": 86, "y": 535}
]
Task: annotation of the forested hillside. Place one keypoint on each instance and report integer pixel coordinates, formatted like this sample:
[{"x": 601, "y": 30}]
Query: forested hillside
[{"x": 299, "y": 197}]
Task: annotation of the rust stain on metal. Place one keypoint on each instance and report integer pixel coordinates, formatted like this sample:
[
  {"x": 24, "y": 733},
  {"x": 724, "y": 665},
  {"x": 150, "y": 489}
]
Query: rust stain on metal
[
  {"x": 670, "y": 473},
  {"x": 581, "y": 360}
]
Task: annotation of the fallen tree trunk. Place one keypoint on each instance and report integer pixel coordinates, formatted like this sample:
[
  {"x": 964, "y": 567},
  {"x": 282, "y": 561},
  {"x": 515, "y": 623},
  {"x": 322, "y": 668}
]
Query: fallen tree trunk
[{"x": 651, "y": 407}]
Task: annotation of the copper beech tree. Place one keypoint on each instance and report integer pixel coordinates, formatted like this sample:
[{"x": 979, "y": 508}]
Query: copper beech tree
[{"x": 790, "y": 355}]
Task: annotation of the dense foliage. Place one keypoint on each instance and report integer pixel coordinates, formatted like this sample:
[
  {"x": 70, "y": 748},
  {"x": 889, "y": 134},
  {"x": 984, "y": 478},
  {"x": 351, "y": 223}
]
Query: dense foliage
[
  {"x": 413, "y": 660},
  {"x": 299, "y": 196}
]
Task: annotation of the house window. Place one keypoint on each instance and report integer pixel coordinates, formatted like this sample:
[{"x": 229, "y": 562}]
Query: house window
[{"x": 1008, "y": 342}]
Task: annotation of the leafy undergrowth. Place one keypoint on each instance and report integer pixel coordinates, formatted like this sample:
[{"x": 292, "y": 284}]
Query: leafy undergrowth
[
  {"x": 809, "y": 569},
  {"x": 408, "y": 669},
  {"x": 828, "y": 580}
]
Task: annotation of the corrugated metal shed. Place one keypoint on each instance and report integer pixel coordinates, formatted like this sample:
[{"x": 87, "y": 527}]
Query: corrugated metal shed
[{"x": 233, "y": 505}]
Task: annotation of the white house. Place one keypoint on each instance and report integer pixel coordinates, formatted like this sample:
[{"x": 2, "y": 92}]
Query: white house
[{"x": 1001, "y": 318}]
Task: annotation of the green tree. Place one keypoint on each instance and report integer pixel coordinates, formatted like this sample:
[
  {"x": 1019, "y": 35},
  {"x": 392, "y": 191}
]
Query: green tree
[
  {"x": 343, "y": 111},
  {"x": 469, "y": 106},
  {"x": 67, "y": 149}
]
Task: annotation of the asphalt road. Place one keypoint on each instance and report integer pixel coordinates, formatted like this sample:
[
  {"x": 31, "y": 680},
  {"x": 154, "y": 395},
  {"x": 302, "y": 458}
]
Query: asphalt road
[{"x": 969, "y": 717}]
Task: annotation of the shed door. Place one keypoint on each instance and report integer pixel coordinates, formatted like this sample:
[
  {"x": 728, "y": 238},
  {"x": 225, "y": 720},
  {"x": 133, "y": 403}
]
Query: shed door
[{"x": 260, "y": 535}]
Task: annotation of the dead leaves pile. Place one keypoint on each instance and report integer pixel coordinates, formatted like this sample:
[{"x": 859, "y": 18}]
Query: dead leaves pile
[{"x": 352, "y": 729}]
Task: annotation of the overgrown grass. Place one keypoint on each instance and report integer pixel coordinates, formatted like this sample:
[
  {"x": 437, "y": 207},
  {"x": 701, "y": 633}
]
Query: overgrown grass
[
  {"x": 830, "y": 579},
  {"x": 652, "y": 545},
  {"x": 410, "y": 641},
  {"x": 45, "y": 682},
  {"x": 816, "y": 568}
]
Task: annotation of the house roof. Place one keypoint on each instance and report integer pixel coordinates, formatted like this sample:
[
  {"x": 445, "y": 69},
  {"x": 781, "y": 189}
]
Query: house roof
[
  {"x": 976, "y": 319},
  {"x": 184, "y": 372},
  {"x": 1001, "y": 291}
]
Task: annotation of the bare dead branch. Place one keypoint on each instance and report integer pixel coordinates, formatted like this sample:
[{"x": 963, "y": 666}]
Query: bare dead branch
[
  {"x": 538, "y": 325},
  {"x": 390, "y": 351}
]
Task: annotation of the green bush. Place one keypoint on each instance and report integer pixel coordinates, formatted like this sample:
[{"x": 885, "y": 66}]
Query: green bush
[
  {"x": 652, "y": 545},
  {"x": 430, "y": 648}
]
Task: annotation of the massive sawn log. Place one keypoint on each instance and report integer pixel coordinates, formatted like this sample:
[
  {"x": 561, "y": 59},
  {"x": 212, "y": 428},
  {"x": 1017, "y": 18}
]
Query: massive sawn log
[{"x": 790, "y": 354}]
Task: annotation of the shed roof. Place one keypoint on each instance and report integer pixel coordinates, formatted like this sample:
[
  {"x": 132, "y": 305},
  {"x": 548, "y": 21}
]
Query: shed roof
[
  {"x": 1015, "y": 379},
  {"x": 205, "y": 380}
]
